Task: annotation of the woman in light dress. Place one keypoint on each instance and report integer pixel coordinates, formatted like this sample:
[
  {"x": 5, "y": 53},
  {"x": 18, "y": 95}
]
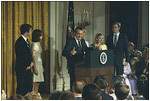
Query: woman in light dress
[
  {"x": 99, "y": 43},
  {"x": 36, "y": 55}
]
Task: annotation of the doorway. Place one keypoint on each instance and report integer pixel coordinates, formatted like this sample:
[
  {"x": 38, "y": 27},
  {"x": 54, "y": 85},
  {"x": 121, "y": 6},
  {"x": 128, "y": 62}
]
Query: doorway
[{"x": 127, "y": 13}]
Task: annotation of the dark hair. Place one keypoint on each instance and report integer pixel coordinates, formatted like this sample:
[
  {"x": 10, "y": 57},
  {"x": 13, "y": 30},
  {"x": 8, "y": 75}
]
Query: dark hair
[
  {"x": 25, "y": 28},
  {"x": 101, "y": 81},
  {"x": 121, "y": 91},
  {"x": 36, "y": 35},
  {"x": 117, "y": 23},
  {"x": 16, "y": 97},
  {"x": 80, "y": 28},
  {"x": 55, "y": 95},
  {"x": 78, "y": 88},
  {"x": 130, "y": 44},
  {"x": 91, "y": 92},
  {"x": 118, "y": 79},
  {"x": 145, "y": 48},
  {"x": 67, "y": 96}
]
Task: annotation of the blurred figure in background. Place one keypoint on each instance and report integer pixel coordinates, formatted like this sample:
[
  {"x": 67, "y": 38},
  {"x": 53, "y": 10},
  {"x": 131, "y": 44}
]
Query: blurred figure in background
[{"x": 131, "y": 49}]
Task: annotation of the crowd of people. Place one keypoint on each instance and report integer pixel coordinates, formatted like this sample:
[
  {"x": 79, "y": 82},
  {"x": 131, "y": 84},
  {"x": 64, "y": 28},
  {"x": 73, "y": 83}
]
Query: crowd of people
[
  {"x": 131, "y": 67},
  {"x": 98, "y": 90}
]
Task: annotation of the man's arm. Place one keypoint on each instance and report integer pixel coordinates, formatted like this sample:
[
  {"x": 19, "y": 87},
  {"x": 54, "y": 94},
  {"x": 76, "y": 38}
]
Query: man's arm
[
  {"x": 21, "y": 56},
  {"x": 19, "y": 51},
  {"x": 67, "y": 49}
]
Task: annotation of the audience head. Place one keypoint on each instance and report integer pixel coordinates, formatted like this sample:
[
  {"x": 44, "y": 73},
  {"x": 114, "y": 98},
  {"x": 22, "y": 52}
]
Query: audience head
[
  {"x": 101, "y": 81},
  {"x": 79, "y": 33},
  {"x": 131, "y": 46},
  {"x": 116, "y": 27},
  {"x": 121, "y": 91},
  {"x": 55, "y": 95},
  {"x": 118, "y": 79},
  {"x": 67, "y": 96},
  {"x": 138, "y": 54},
  {"x": 26, "y": 29},
  {"x": 145, "y": 52},
  {"x": 78, "y": 87},
  {"x": 99, "y": 38},
  {"x": 16, "y": 97},
  {"x": 133, "y": 61},
  {"x": 91, "y": 92},
  {"x": 37, "y": 35},
  {"x": 33, "y": 96}
]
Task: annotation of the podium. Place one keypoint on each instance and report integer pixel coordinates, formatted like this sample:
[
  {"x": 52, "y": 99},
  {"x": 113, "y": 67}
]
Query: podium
[{"x": 96, "y": 63}]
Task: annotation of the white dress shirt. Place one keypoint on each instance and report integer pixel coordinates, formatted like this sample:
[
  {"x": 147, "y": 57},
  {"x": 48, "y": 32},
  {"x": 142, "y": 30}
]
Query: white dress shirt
[
  {"x": 25, "y": 39},
  {"x": 77, "y": 41},
  {"x": 117, "y": 37}
]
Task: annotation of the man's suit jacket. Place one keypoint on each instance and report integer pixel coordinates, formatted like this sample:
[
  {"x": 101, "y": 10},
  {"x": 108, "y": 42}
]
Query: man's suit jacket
[
  {"x": 79, "y": 56},
  {"x": 106, "y": 96},
  {"x": 23, "y": 56},
  {"x": 121, "y": 49}
]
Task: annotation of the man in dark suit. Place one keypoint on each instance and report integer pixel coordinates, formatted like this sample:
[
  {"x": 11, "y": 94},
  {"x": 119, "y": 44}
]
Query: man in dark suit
[
  {"x": 119, "y": 43},
  {"x": 24, "y": 61},
  {"x": 74, "y": 52}
]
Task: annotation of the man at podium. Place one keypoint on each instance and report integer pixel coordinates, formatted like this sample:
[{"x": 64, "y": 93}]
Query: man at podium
[
  {"x": 74, "y": 52},
  {"x": 119, "y": 43}
]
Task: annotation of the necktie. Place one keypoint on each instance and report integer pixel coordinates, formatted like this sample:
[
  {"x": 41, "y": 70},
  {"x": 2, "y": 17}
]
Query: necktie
[
  {"x": 28, "y": 44},
  {"x": 115, "y": 40},
  {"x": 80, "y": 46}
]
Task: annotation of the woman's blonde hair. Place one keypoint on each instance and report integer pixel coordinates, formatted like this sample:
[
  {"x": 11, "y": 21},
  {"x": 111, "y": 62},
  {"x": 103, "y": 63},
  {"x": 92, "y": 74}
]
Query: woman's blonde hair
[{"x": 96, "y": 38}]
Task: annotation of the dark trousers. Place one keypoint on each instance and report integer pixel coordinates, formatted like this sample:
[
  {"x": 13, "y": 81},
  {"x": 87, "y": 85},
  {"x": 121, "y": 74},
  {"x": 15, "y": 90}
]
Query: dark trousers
[
  {"x": 24, "y": 83},
  {"x": 71, "y": 71},
  {"x": 72, "y": 80},
  {"x": 118, "y": 68}
]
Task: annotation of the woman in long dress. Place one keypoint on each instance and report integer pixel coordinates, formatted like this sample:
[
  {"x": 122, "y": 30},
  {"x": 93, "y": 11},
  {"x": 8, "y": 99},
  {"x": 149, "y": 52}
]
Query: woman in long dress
[
  {"x": 99, "y": 43},
  {"x": 36, "y": 55}
]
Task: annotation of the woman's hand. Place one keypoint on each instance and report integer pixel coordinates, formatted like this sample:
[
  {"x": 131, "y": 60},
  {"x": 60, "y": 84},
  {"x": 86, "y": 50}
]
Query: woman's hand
[
  {"x": 32, "y": 64},
  {"x": 99, "y": 47},
  {"x": 36, "y": 72},
  {"x": 28, "y": 68}
]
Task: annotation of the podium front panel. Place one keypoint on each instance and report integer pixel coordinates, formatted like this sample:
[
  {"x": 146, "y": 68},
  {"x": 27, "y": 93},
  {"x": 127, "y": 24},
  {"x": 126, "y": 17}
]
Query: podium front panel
[{"x": 97, "y": 59}]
